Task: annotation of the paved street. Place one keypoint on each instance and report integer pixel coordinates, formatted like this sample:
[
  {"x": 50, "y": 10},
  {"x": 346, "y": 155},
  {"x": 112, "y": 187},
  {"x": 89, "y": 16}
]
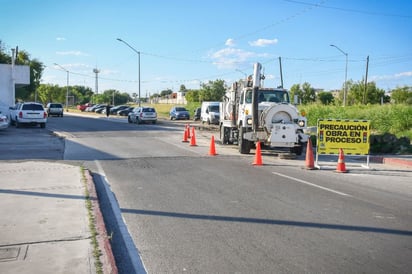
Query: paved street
[{"x": 190, "y": 212}]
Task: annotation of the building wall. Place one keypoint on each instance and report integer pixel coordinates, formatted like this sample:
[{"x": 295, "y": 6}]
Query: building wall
[{"x": 9, "y": 79}]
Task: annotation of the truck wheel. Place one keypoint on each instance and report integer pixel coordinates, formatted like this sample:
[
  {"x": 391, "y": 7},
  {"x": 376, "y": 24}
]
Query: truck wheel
[
  {"x": 224, "y": 135},
  {"x": 297, "y": 150},
  {"x": 244, "y": 145}
]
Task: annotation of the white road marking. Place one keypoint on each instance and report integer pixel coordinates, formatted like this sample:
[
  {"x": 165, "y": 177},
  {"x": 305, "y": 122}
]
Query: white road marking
[{"x": 311, "y": 184}]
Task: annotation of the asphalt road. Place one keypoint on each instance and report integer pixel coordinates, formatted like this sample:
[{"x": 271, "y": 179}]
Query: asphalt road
[{"x": 188, "y": 212}]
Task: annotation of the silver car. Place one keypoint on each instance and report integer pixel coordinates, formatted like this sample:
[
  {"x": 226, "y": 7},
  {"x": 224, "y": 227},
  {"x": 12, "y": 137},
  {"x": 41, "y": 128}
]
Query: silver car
[{"x": 142, "y": 114}]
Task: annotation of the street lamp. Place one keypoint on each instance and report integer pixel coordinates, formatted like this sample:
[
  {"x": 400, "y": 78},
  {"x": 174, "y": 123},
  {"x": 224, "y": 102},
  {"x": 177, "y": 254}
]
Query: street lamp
[
  {"x": 346, "y": 74},
  {"x": 67, "y": 91},
  {"x": 138, "y": 60},
  {"x": 238, "y": 70}
]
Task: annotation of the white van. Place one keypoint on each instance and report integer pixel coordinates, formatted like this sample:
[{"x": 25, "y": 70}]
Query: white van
[{"x": 210, "y": 113}]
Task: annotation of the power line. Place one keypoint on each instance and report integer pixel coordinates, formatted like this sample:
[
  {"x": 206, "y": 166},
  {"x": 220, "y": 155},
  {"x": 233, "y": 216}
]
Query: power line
[{"x": 349, "y": 10}]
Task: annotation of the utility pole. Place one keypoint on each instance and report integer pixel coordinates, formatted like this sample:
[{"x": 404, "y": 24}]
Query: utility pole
[
  {"x": 281, "y": 73},
  {"x": 346, "y": 74},
  {"x": 366, "y": 81}
]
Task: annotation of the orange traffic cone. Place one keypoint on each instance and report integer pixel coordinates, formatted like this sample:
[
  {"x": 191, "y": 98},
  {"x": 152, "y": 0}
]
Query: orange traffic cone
[
  {"x": 185, "y": 136},
  {"x": 341, "y": 162},
  {"x": 310, "y": 162},
  {"x": 212, "y": 149},
  {"x": 193, "y": 139},
  {"x": 258, "y": 156},
  {"x": 188, "y": 130}
]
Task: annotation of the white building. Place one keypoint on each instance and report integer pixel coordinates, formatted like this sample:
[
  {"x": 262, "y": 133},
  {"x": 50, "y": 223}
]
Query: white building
[{"x": 11, "y": 76}]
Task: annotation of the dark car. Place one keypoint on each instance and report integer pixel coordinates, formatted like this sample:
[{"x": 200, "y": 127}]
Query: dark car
[
  {"x": 196, "y": 115},
  {"x": 179, "y": 113},
  {"x": 115, "y": 109},
  {"x": 125, "y": 112}
]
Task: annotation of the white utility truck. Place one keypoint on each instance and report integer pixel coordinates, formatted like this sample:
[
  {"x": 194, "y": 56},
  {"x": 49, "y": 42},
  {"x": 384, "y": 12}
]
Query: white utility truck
[{"x": 250, "y": 113}]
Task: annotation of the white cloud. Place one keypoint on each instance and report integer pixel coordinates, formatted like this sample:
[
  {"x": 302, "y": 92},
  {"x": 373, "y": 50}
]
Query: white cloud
[
  {"x": 392, "y": 77},
  {"x": 72, "y": 52},
  {"x": 404, "y": 74},
  {"x": 263, "y": 42},
  {"x": 230, "y": 57},
  {"x": 61, "y": 39},
  {"x": 230, "y": 42}
]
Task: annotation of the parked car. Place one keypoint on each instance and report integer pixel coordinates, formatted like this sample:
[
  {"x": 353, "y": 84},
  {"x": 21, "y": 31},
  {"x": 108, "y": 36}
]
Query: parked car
[
  {"x": 142, "y": 114},
  {"x": 115, "y": 109},
  {"x": 84, "y": 107},
  {"x": 94, "y": 107},
  {"x": 28, "y": 113},
  {"x": 125, "y": 112},
  {"x": 4, "y": 121},
  {"x": 196, "y": 115},
  {"x": 177, "y": 113},
  {"x": 54, "y": 109},
  {"x": 101, "y": 109}
]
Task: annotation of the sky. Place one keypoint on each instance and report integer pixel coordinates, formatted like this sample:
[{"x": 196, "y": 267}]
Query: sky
[{"x": 190, "y": 42}]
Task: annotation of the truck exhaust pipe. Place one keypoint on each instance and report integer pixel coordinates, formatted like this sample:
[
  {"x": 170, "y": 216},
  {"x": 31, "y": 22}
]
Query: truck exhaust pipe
[{"x": 255, "y": 103}]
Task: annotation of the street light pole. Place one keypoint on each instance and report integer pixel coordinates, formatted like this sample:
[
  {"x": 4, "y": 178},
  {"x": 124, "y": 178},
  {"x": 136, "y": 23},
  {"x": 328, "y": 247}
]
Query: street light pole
[
  {"x": 346, "y": 74},
  {"x": 138, "y": 60},
  {"x": 67, "y": 85}
]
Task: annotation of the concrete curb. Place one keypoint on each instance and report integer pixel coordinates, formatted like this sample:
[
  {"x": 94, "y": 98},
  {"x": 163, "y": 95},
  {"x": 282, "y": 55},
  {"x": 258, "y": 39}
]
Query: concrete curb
[{"x": 106, "y": 257}]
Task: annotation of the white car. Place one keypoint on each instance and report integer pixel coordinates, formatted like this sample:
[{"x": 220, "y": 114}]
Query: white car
[
  {"x": 142, "y": 114},
  {"x": 4, "y": 121},
  {"x": 28, "y": 113}
]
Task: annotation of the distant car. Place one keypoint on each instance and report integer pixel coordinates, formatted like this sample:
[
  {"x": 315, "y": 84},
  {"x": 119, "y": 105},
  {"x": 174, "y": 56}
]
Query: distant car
[
  {"x": 196, "y": 115},
  {"x": 125, "y": 112},
  {"x": 94, "y": 107},
  {"x": 115, "y": 109},
  {"x": 142, "y": 114},
  {"x": 179, "y": 113},
  {"x": 84, "y": 107},
  {"x": 54, "y": 109},
  {"x": 28, "y": 113},
  {"x": 4, "y": 121},
  {"x": 101, "y": 109}
]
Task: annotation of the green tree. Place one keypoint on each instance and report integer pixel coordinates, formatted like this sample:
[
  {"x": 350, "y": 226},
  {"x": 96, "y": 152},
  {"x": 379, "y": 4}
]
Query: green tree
[
  {"x": 192, "y": 95},
  {"x": 402, "y": 95},
  {"x": 165, "y": 93},
  {"x": 358, "y": 95},
  {"x": 36, "y": 69},
  {"x": 326, "y": 98},
  {"x": 308, "y": 93},
  {"x": 212, "y": 91},
  {"x": 51, "y": 93},
  {"x": 296, "y": 91}
]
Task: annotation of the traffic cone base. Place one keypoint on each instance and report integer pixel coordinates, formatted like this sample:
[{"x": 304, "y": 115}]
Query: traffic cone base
[
  {"x": 341, "y": 168},
  {"x": 212, "y": 149},
  {"x": 310, "y": 162},
  {"x": 193, "y": 138},
  {"x": 258, "y": 156}
]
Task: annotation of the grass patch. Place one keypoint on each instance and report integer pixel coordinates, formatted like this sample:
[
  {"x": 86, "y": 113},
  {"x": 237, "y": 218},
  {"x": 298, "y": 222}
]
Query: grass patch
[{"x": 96, "y": 251}]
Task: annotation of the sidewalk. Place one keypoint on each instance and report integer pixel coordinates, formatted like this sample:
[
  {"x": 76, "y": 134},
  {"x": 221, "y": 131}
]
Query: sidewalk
[{"x": 44, "y": 220}]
